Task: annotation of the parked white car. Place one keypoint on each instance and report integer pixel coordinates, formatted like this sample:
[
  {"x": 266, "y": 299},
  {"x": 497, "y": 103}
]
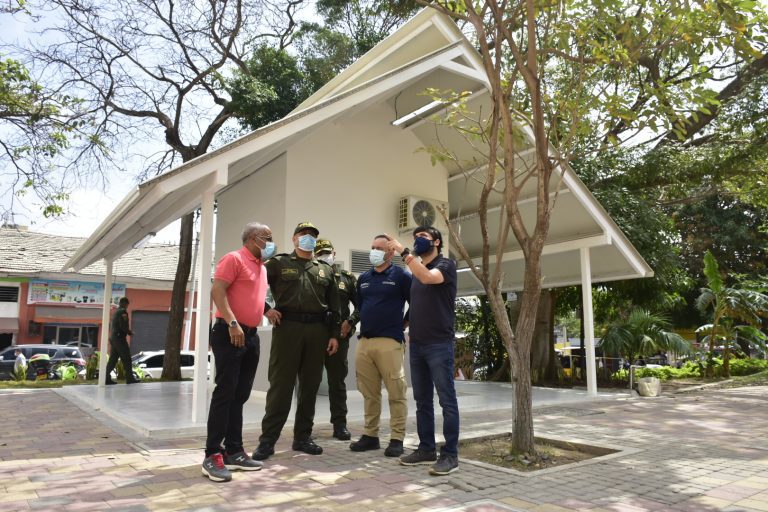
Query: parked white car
[{"x": 151, "y": 362}]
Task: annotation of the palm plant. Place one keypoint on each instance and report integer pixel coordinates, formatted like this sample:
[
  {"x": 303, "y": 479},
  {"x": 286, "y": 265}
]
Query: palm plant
[
  {"x": 735, "y": 313},
  {"x": 643, "y": 333}
]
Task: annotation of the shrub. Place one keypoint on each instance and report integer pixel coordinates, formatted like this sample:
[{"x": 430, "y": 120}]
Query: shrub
[
  {"x": 92, "y": 366},
  {"x": 748, "y": 366},
  {"x": 20, "y": 373}
]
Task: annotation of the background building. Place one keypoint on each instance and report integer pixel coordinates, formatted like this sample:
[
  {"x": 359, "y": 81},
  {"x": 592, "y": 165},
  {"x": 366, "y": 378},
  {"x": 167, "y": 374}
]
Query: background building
[{"x": 41, "y": 304}]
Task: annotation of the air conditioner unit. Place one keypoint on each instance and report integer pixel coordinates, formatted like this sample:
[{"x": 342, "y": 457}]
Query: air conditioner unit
[{"x": 413, "y": 212}]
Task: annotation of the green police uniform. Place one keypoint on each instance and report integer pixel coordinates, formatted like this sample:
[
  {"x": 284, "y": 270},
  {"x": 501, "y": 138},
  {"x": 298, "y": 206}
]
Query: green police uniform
[
  {"x": 306, "y": 294},
  {"x": 336, "y": 365},
  {"x": 120, "y": 329}
]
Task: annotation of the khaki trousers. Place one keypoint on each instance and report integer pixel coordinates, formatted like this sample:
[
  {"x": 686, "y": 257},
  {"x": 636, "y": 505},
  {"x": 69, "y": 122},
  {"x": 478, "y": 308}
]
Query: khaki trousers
[{"x": 380, "y": 360}]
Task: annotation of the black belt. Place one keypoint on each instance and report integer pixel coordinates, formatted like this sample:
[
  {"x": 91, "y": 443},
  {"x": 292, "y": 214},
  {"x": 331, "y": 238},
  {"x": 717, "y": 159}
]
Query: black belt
[
  {"x": 247, "y": 330},
  {"x": 305, "y": 318},
  {"x": 367, "y": 336}
]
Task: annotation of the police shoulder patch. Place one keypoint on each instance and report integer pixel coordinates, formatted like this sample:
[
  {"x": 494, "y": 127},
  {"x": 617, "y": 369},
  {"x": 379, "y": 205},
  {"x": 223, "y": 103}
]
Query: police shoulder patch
[
  {"x": 342, "y": 286},
  {"x": 321, "y": 272},
  {"x": 289, "y": 271}
]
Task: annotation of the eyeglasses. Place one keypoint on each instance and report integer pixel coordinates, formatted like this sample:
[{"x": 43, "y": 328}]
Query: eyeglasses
[{"x": 266, "y": 239}]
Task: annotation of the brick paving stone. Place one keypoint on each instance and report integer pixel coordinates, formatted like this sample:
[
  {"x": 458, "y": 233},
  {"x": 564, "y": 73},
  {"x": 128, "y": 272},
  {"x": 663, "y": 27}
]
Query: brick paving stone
[{"x": 673, "y": 471}]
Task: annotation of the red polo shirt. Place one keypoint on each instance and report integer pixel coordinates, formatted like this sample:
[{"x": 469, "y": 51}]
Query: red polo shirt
[{"x": 247, "y": 285}]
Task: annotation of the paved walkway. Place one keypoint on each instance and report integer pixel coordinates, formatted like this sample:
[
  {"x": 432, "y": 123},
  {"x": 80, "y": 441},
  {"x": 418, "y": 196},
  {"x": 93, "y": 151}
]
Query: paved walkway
[{"x": 698, "y": 452}]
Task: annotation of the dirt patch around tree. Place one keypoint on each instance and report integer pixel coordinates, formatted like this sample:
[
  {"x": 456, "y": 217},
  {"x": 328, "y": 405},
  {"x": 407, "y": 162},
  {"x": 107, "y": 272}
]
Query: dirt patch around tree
[{"x": 497, "y": 450}]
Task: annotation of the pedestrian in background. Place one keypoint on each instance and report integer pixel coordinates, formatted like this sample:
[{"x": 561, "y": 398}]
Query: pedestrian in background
[{"x": 118, "y": 341}]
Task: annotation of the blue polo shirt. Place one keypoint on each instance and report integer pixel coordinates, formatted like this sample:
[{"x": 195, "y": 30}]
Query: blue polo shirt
[
  {"x": 432, "y": 311},
  {"x": 381, "y": 298}
]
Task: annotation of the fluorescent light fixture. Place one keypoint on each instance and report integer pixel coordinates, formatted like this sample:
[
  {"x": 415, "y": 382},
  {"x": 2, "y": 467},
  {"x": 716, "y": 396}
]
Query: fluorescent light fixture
[
  {"x": 431, "y": 108},
  {"x": 141, "y": 243},
  {"x": 420, "y": 113}
]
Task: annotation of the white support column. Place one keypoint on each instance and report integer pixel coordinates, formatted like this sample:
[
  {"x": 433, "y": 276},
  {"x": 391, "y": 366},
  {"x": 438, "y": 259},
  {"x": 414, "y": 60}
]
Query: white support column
[
  {"x": 589, "y": 321},
  {"x": 105, "y": 314},
  {"x": 200, "y": 385},
  {"x": 191, "y": 298}
]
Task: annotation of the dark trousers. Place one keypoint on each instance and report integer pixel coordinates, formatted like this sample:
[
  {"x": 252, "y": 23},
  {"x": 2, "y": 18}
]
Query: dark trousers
[
  {"x": 298, "y": 351},
  {"x": 337, "y": 368},
  {"x": 120, "y": 349},
  {"x": 432, "y": 368},
  {"x": 235, "y": 371}
]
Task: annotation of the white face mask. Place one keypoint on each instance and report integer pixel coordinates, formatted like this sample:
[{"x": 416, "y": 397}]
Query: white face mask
[
  {"x": 328, "y": 258},
  {"x": 376, "y": 256}
]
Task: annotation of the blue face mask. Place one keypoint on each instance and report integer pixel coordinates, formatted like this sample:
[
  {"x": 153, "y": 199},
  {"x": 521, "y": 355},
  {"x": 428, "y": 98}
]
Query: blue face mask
[
  {"x": 377, "y": 257},
  {"x": 268, "y": 251},
  {"x": 307, "y": 243},
  {"x": 421, "y": 246}
]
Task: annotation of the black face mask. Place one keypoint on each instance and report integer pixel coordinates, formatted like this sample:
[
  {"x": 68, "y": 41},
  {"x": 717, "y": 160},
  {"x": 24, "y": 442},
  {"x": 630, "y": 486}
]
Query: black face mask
[{"x": 422, "y": 246}]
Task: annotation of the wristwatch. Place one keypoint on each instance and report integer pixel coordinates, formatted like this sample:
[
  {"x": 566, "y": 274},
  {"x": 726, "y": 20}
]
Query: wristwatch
[
  {"x": 405, "y": 253},
  {"x": 233, "y": 323}
]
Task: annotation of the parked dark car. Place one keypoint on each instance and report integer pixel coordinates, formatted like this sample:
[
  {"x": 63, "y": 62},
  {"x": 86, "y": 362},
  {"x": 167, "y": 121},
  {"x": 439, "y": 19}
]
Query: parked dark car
[{"x": 57, "y": 354}]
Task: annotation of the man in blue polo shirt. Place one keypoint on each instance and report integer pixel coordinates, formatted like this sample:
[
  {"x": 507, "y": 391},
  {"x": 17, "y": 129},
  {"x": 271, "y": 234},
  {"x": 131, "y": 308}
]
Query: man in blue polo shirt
[
  {"x": 382, "y": 292},
  {"x": 432, "y": 316}
]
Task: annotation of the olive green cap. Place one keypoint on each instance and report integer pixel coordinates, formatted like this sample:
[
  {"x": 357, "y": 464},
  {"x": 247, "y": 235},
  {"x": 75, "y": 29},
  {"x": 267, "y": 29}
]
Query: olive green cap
[
  {"x": 323, "y": 245},
  {"x": 306, "y": 225}
]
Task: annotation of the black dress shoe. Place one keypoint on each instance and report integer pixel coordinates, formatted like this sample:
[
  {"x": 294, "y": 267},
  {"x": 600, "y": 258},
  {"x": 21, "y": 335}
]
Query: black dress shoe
[
  {"x": 365, "y": 443},
  {"x": 306, "y": 446},
  {"x": 341, "y": 433},
  {"x": 395, "y": 448},
  {"x": 264, "y": 451}
]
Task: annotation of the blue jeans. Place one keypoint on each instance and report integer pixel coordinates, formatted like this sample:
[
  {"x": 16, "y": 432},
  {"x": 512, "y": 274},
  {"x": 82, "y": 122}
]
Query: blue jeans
[{"x": 432, "y": 367}]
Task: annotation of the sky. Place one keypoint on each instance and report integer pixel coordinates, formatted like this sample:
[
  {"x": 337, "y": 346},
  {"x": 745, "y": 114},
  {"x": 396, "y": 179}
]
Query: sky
[{"x": 88, "y": 207}]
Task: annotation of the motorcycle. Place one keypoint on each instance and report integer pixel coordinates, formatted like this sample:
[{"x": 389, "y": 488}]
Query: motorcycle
[{"x": 42, "y": 368}]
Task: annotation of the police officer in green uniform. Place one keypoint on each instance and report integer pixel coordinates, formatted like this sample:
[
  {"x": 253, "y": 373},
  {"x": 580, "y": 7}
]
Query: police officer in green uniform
[
  {"x": 118, "y": 340},
  {"x": 306, "y": 327},
  {"x": 336, "y": 365}
]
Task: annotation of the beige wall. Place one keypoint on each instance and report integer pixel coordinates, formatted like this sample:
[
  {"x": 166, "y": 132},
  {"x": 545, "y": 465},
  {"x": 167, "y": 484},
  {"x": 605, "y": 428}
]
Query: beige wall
[
  {"x": 260, "y": 198},
  {"x": 348, "y": 176}
]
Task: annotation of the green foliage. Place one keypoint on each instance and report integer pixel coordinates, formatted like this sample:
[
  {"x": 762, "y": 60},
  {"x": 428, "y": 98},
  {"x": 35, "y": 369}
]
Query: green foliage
[
  {"x": 364, "y": 23},
  {"x": 38, "y": 126},
  {"x": 688, "y": 371},
  {"x": 20, "y": 373},
  {"x": 481, "y": 352},
  {"x": 276, "y": 82},
  {"x": 693, "y": 370},
  {"x": 748, "y": 366},
  {"x": 642, "y": 333},
  {"x": 735, "y": 313},
  {"x": 92, "y": 366},
  {"x": 273, "y": 86}
]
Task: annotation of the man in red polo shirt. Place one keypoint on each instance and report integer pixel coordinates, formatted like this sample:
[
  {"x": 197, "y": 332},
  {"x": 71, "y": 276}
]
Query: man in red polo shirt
[{"x": 239, "y": 290}]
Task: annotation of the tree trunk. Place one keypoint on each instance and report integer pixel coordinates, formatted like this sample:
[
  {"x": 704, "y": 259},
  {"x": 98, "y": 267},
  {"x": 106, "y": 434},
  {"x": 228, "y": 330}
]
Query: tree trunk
[
  {"x": 727, "y": 360},
  {"x": 541, "y": 346},
  {"x": 522, "y": 435},
  {"x": 171, "y": 361}
]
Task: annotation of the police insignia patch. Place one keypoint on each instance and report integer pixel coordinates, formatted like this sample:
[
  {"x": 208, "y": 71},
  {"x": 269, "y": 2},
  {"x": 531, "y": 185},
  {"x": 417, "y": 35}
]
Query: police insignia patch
[
  {"x": 342, "y": 286},
  {"x": 321, "y": 273}
]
